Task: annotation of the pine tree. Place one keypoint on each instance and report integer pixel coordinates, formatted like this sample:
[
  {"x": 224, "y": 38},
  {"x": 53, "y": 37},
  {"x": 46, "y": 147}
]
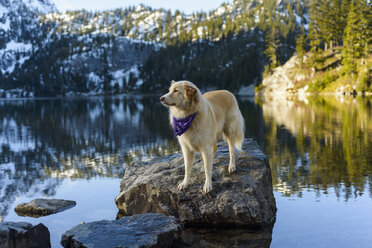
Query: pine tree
[
  {"x": 356, "y": 35},
  {"x": 323, "y": 20},
  {"x": 314, "y": 34},
  {"x": 272, "y": 45},
  {"x": 301, "y": 44},
  {"x": 330, "y": 16},
  {"x": 342, "y": 16}
]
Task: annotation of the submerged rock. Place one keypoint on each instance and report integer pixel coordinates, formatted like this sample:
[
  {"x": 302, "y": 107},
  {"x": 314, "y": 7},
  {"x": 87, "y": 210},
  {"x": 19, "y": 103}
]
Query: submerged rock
[
  {"x": 242, "y": 199},
  {"x": 24, "y": 235},
  {"x": 144, "y": 230},
  {"x": 42, "y": 207}
]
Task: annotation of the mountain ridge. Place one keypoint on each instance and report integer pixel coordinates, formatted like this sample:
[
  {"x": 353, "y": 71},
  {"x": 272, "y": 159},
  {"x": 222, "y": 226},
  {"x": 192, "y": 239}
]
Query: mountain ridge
[{"x": 49, "y": 59}]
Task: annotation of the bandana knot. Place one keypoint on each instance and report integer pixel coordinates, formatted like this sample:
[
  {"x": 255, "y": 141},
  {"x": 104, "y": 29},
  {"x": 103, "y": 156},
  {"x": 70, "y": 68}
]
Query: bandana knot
[{"x": 182, "y": 125}]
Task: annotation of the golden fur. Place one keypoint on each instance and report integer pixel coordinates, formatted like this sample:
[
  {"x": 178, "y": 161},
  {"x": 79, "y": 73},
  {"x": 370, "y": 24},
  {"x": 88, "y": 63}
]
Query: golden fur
[{"x": 217, "y": 115}]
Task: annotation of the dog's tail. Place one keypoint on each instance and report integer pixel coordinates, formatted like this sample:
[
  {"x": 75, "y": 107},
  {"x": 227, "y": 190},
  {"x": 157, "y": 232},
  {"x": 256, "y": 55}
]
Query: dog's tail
[{"x": 240, "y": 132}]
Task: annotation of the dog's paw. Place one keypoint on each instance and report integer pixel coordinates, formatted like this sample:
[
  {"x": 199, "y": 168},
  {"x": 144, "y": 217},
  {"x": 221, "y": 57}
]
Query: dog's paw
[
  {"x": 182, "y": 185},
  {"x": 207, "y": 188},
  {"x": 232, "y": 168}
]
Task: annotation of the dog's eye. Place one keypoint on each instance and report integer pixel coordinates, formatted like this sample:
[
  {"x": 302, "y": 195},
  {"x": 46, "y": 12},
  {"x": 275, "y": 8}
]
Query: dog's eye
[{"x": 175, "y": 91}]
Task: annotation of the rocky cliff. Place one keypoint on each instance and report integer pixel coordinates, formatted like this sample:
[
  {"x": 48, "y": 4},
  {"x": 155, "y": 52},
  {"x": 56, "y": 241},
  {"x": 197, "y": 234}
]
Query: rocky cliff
[{"x": 282, "y": 81}]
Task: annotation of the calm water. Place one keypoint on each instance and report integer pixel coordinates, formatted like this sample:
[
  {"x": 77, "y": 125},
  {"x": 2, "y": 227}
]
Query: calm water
[{"x": 320, "y": 151}]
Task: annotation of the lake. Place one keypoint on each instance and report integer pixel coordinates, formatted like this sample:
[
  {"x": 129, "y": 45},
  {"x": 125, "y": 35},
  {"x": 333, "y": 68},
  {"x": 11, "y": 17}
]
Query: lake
[{"x": 320, "y": 151}]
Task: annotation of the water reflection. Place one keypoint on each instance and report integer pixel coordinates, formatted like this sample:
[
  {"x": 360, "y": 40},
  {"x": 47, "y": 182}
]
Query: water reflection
[
  {"x": 320, "y": 143},
  {"x": 44, "y": 141},
  {"x": 221, "y": 237}
]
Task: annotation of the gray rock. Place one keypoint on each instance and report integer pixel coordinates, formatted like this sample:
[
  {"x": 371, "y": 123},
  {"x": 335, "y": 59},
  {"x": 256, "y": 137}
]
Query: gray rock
[
  {"x": 281, "y": 83},
  {"x": 145, "y": 230},
  {"x": 42, "y": 207},
  {"x": 241, "y": 199},
  {"x": 24, "y": 235}
]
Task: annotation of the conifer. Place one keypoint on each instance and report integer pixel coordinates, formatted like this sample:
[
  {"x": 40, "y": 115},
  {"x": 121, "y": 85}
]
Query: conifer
[
  {"x": 356, "y": 35},
  {"x": 301, "y": 45},
  {"x": 272, "y": 44}
]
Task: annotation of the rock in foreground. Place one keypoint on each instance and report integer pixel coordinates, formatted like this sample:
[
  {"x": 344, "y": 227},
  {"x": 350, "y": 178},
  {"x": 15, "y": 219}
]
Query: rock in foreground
[
  {"x": 145, "y": 230},
  {"x": 24, "y": 235},
  {"x": 42, "y": 207},
  {"x": 244, "y": 198}
]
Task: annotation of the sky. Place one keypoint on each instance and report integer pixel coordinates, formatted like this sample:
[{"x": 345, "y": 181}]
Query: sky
[{"x": 187, "y": 6}]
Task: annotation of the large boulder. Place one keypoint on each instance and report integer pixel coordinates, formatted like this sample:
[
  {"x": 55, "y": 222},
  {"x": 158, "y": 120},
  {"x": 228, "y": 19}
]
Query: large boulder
[
  {"x": 241, "y": 199},
  {"x": 42, "y": 207},
  {"x": 24, "y": 235},
  {"x": 144, "y": 230}
]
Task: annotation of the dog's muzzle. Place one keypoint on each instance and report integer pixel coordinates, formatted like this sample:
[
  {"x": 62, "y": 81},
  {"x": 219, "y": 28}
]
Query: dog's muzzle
[{"x": 164, "y": 102}]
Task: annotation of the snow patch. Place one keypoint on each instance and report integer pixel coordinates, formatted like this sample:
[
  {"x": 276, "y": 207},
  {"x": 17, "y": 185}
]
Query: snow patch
[
  {"x": 40, "y": 5},
  {"x": 220, "y": 11},
  {"x": 17, "y": 46},
  {"x": 5, "y": 26},
  {"x": 121, "y": 75},
  {"x": 92, "y": 77},
  {"x": 298, "y": 19}
]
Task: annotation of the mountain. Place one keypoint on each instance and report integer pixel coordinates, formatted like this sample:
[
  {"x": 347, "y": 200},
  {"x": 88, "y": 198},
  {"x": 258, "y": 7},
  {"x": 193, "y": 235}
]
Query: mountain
[
  {"x": 49, "y": 53},
  {"x": 18, "y": 30}
]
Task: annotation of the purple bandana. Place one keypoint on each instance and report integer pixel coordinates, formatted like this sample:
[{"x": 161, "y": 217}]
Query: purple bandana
[{"x": 181, "y": 125}]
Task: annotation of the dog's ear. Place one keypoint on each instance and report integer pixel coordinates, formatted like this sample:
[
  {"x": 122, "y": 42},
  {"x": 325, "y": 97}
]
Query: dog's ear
[
  {"x": 172, "y": 82},
  {"x": 190, "y": 92}
]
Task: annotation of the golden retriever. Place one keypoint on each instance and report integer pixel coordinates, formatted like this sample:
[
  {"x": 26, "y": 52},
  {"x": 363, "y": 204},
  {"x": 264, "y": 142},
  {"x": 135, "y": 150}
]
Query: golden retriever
[{"x": 207, "y": 118}]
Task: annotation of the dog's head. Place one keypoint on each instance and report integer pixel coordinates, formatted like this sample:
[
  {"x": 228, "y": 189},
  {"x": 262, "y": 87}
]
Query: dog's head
[{"x": 181, "y": 95}]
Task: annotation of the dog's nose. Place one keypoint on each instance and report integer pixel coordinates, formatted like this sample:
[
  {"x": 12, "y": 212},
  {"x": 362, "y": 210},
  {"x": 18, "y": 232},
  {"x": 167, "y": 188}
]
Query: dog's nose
[{"x": 162, "y": 99}]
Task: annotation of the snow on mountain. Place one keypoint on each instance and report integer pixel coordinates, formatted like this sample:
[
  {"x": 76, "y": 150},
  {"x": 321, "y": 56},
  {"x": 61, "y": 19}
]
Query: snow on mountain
[
  {"x": 141, "y": 23},
  {"x": 106, "y": 49},
  {"x": 235, "y": 8},
  {"x": 43, "y": 6},
  {"x": 159, "y": 25},
  {"x": 123, "y": 77},
  {"x": 5, "y": 26},
  {"x": 14, "y": 53},
  {"x": 19, "y": 24}
]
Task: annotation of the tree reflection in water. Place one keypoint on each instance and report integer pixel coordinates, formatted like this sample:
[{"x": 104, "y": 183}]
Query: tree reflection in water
[
  {"x": 323, "y": 144},
  {"x": 44, "y": 141},
  {"x": 320, "y": 143}
]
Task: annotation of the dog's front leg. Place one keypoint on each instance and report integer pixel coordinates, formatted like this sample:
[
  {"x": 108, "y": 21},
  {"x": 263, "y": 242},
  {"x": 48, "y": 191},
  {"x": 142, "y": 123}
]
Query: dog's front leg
[
  {"x": 188, "y": 156},
  {"x": 207, "y": 156}
]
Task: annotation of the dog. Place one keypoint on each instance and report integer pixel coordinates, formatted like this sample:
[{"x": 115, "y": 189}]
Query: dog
[{"x": 200, "y": 121}]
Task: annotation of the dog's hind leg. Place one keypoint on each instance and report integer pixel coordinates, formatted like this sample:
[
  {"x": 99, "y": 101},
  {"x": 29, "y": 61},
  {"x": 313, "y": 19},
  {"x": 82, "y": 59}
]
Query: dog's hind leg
[
  {"x": 234, "y": 134},
  {"x": 188, "y": 156},
  {"x": 207, "y": 156},
  {"x": 230, "y": 142}
]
